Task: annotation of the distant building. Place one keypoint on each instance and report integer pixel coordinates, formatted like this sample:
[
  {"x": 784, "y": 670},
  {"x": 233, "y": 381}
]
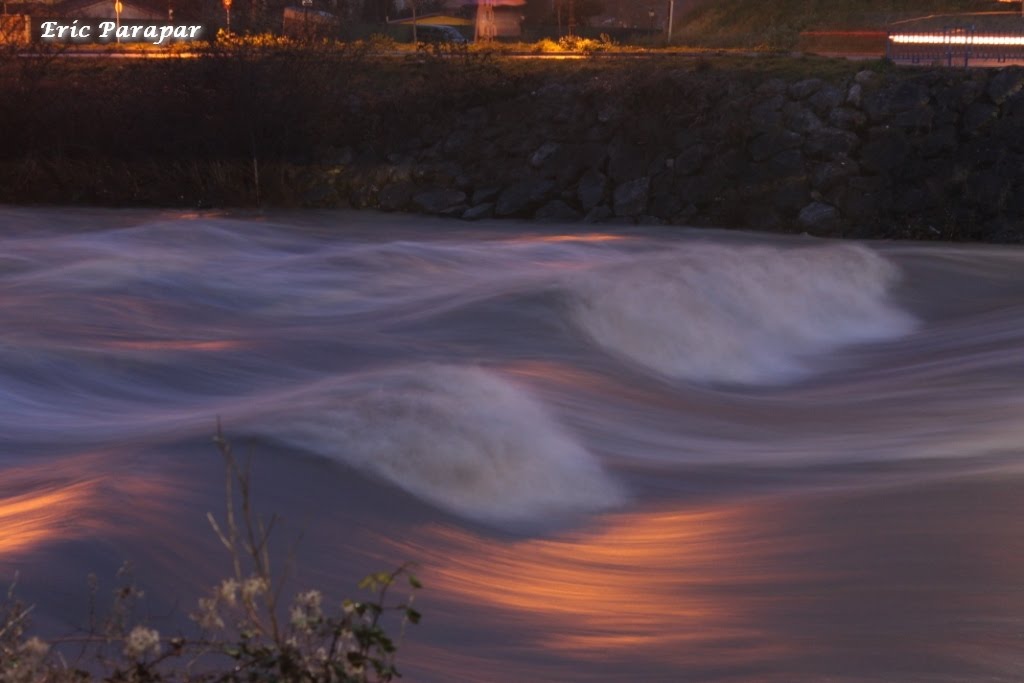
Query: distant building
[
  {"x": 502, "y": 22},
  {"x": 435, "y": 19},
  {"x": 15, "y": 29},
  {"x": 507, "y": 21},
  {"x": 307, "y": 24}
]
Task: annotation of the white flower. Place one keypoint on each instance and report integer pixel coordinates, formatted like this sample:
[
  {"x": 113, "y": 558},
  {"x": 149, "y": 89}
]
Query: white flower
[
  {"x": 347, "y": 642},
  {"x": 311, "y": 602},
  {"x": 306, "y": 612},
  {"x": 140, "y": 642},
  {"x": 252, "y": 588},
  {"x": 299, "y": 619},
  {"x": 34, "y": 649},
  {"x": 208, "y": 617},
  {"x": 228, "y": 592}
]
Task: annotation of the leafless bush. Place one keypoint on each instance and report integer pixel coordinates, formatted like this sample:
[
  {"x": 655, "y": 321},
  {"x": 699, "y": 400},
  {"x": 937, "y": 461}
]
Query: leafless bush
[{"x": 244, "y": 632}]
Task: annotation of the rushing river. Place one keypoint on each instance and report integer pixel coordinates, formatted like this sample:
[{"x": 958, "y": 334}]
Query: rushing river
[{"x": 634, "y": 455}]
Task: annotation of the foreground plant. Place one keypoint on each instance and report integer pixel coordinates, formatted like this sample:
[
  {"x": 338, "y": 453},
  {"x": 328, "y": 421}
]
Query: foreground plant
[{"x": 244, "y": 634}]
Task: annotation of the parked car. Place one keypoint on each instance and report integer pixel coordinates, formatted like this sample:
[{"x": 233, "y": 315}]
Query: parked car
[{"x": 437, "y": 33}]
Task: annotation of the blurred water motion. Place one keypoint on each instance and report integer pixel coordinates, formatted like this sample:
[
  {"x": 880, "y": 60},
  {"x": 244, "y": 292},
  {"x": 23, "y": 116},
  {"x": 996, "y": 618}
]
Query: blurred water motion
[
  {"x": 624, "y": 455},
  {"x": 639, "y": 583},
  {"x": 75, "y": 498},
  {"x": 200, "y": 346},
  {"x": 29, "y": 519},
  {"x": 574, "y": 237},
  {"x": 797, "y": 589}
]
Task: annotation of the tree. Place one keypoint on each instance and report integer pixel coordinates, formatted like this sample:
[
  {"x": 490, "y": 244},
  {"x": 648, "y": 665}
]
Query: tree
[
  {"x": 562, "y": 12},
  {"x": 378, "y": 10}
]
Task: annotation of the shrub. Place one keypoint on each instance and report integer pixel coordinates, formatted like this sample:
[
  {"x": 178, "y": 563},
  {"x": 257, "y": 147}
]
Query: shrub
[{"x": 242, "y": 632}]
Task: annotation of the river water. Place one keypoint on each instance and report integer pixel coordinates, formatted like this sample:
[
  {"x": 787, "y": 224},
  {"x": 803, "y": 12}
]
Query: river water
[{"x": 640, "y": 454}]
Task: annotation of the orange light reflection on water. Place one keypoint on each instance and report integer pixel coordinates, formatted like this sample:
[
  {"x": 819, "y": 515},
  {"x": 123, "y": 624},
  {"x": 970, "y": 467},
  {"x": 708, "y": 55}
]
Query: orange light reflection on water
[
  {"x": 569, "y": 237},
  {"x": 584, "y": 237},
  {"x": 70, "y": 498},
  {"x": 666, "y": 582},
  {"x": 559, "y": 374},
  {"x": 208, "y": 346},
  {"x": 837, "y": 585},
  {"x": 32, "y": 518}
]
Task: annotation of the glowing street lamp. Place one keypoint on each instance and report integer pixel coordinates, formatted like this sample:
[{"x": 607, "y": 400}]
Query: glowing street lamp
[
  {"x": 227, "y": 13},
  {"x": 118, "y": 7}
]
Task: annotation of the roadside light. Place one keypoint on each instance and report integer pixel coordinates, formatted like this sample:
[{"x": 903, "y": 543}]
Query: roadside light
[
  {"x": 118, "y": 7},
  {"x": 486, "y": 29},
  {"x": 227, "y": 13}
]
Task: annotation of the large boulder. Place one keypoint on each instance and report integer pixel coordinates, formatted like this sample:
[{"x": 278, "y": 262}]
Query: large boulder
[
  {"x": 592, "y": 188},
  {"x": 828, "y": 143},
  {"x": 1005, "y": 84},
  {"x": 801, "y": 90},
  {"x": 832, "y": 174},
  {"x": 396, "y": 197},
  {"x": 847, "y": 119},
  {"x": 631, "y": 197},
  {"x": 439, "y": 200},
  {"x": 628, "y": 160},
  {"x": 475, "y": 213},
  {"x": 883, "y": 103},
  {"x": 690, "y": 159},
  {"x": 524, "y": 197},
  {"x": 767, "y": 115},
  {"x": 543, "y": 153},
  {"x": 826, "y": 99},
  {"x": 818, "y": 218},
  {"x": 941, "y": 141},
  {"x": 767, "y": 145},
  {"x": 557, "y": 211},
  {"x": 885, "y": 150},
  {"x": 800, "y": 119},
  {"x": 979, "y": 115}
]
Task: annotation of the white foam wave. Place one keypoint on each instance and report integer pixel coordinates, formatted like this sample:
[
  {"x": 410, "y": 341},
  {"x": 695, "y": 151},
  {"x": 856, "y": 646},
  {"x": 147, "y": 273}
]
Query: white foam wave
[
  {"x": 462, "y": 438},
  {"x": 744, "y": 314}
]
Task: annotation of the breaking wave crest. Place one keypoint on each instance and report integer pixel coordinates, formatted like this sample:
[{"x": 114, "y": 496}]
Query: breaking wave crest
[
  {"x": 461, "y": 438},
  {"x": 739, "y": 314}
]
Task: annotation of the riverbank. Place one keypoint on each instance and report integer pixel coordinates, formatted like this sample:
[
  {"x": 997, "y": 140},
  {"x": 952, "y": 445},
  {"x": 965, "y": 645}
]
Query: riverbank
[{"x": 788, "y": 145}]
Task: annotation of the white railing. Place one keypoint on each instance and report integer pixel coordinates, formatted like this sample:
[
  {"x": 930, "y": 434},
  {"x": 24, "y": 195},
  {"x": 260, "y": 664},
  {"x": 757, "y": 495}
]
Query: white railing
[{"x": 954, "y": 46}]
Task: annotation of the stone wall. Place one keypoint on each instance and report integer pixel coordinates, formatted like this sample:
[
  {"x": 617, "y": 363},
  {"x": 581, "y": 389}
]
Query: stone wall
[{"x": 918, "y": 154}]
